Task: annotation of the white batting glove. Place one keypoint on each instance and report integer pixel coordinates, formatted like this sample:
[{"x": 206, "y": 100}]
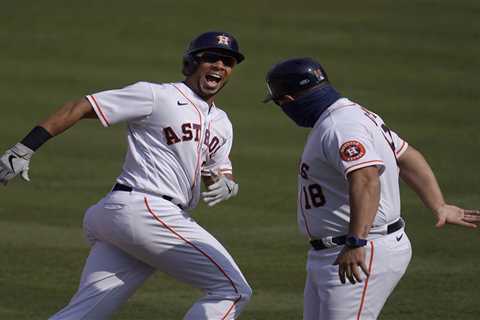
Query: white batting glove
[
  {"x": 15, "y": 161},
  {"x": 221, "y": 190}
]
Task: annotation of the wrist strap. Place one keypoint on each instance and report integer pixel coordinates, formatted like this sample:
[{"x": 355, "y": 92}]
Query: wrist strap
[{"x": 36, "y": 138}]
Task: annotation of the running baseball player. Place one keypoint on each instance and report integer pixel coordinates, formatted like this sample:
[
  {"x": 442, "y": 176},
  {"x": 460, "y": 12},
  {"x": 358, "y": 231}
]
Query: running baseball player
[
  {"x": 176, "y": 134},
  {"x": 348, "y": 195}
]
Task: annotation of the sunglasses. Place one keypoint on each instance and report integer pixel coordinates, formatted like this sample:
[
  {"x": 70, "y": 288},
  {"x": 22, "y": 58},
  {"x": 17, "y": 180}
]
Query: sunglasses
[{"x": 212, "y": 57}]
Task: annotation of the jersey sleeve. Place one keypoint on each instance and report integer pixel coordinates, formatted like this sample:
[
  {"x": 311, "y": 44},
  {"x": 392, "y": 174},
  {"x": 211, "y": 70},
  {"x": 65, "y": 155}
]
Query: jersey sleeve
[
  {"x": 132, "y": 102},
  {"x": 400, "y": 144},
  {"x": 218, "y": 150},
  {"x": 351, "y": 148}
]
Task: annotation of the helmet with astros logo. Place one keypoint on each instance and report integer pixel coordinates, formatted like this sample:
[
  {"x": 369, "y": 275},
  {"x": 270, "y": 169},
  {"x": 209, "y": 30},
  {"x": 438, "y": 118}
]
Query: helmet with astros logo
[
  {"x": 220, "y": 42},
  {"x": 293, "y": 75}
]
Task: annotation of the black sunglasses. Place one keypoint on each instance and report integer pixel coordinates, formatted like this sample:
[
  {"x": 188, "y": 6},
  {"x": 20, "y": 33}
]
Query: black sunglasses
[{"x": 212, "y": 57}]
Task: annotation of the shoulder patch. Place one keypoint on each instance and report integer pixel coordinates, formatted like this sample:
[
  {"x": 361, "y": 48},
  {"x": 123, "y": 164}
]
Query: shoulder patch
[{"x": 352, "y": 150}]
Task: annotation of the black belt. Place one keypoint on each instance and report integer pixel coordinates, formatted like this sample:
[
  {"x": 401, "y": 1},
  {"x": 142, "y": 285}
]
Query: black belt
[
  {"x": 318, "y": 244},
  {"x": 122, "y": 187}
]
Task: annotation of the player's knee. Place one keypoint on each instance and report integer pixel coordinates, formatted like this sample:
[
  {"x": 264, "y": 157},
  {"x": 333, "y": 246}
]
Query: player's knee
[
  {"x": 246, "y": 293},
  {"x": 239, "y": 291}
]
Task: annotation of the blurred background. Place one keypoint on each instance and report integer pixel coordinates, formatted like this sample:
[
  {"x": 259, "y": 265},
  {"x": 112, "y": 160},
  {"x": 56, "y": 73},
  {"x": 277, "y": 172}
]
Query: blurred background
[{"x": 414, "y": 62}]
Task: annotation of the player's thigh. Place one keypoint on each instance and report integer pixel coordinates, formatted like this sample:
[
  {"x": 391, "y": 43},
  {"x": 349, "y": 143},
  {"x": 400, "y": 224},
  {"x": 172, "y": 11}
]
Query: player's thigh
[
  {"x": 336, "y": 301},
  {"x": 392, "y": 255},
  {"x": 387, "y": 260},
  {"x": 168, "y": 239},
  {"x": 107, "y": 266}
]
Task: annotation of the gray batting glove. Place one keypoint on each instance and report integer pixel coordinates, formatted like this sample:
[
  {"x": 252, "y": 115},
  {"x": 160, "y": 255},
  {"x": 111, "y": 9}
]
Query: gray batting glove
[
  {"x": 15, "y": 161},
  {"x": 221, "y": 190}
]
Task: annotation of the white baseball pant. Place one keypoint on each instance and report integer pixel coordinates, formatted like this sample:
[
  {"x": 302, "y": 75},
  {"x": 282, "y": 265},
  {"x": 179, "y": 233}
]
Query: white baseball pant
[
  {"x": 326, "y": 298},
  {"x": 132, "y": 235}
]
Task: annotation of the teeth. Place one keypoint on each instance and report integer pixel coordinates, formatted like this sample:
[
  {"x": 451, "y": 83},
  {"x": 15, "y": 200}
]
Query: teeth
[{"x": 216, "y": 76}]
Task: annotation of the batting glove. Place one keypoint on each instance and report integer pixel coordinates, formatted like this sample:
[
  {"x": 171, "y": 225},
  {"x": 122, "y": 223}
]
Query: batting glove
[
  {"x": 221, "y": 190},
  {"x": 15, "y": 161}
]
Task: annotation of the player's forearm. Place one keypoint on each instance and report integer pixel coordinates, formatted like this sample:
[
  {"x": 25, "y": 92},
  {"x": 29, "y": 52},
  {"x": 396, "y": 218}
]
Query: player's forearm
[
  {"x": 364, "y": 193},
  {"x": 417, "y": 174},
  {"x": 67, "y": 116}
]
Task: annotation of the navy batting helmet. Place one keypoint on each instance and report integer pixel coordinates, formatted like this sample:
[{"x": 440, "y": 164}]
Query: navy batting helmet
[
  {"x": 220, "y": 42},
  {"x": 293, "y": 75}
]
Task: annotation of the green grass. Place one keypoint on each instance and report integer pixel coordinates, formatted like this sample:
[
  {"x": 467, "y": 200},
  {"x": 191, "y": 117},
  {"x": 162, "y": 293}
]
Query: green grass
[{"x": 414, "y": 62}]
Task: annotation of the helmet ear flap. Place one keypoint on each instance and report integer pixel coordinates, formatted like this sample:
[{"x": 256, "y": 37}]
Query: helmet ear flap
[{"x": 190, "y": 64}]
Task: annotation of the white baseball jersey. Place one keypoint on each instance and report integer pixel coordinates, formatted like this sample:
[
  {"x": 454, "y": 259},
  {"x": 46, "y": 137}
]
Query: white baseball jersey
[
  {"x": 346, "y": 137},
  {"x": 173, "y": 135}
]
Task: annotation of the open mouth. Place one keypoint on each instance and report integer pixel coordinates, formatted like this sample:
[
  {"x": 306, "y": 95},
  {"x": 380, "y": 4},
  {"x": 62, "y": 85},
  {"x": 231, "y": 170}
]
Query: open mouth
[{"x": 213, "y": 79}]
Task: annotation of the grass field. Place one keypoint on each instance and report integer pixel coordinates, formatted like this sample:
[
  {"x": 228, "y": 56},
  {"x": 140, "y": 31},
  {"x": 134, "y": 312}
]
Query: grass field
[{"x": 415, "y": 62}]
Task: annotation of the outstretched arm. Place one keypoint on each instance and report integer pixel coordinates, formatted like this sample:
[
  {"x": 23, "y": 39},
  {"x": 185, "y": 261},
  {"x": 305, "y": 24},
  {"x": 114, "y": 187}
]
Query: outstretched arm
[
  {"x": 67, "y": 116},
  {"x": 417, "y": 174},
  {"x": 16, "y": 160}
]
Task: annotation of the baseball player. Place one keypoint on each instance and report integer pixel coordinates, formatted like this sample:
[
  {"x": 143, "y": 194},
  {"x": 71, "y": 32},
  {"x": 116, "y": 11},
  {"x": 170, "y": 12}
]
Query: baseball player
[
  {"x": 348, "y": 195},
  {"x": 176, "y": 134}
]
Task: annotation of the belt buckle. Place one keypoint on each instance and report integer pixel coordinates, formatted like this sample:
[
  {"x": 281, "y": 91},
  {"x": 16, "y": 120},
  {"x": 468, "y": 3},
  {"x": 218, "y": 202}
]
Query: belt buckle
[{"x": 328, "y": 242}]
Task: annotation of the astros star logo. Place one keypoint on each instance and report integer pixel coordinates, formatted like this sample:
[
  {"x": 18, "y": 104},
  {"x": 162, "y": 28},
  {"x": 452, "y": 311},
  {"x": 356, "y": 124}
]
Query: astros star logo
[
  {"x": 352, "y": 150},
  {"x": 222, "y": 39}
]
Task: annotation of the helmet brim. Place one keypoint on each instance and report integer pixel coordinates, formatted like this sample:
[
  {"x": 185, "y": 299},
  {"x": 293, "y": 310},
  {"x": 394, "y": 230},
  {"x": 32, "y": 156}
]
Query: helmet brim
[{"x": 223, "y": 51}]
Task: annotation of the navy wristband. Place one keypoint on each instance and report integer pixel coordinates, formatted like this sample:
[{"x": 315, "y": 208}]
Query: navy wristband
[{"x": 36, "y": 138}]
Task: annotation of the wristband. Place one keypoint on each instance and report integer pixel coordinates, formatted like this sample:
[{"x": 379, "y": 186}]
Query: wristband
[
  {"x": 36, "y": 138},
  {"x": 354, "y": 242}
]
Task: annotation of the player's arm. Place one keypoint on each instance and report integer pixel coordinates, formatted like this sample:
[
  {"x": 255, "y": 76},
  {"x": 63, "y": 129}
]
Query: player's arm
[
  {"x": 16, "y": 160},
  {"x": 68, "y": 115},
  {"x": 364, "y": 195},
  {"x": 417, "y": 174}
]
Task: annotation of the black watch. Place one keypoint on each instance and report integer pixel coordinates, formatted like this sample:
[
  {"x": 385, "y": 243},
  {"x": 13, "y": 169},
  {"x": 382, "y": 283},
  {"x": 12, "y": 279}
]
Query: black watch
[{"x": 354, "y": 242}]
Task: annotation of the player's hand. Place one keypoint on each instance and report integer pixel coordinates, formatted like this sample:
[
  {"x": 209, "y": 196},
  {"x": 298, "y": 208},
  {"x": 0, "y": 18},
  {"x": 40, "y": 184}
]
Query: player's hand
[
  {"x": 15, "y": 161},
  {"x": 348, "y": 261},
  {"x": 455, "y": 215},
  {"x": 221, "y": 190}
]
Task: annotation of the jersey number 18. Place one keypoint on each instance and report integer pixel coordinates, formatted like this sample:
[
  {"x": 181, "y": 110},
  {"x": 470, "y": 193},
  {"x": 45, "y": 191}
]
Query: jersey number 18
[{"x": 312, "y": 193}]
